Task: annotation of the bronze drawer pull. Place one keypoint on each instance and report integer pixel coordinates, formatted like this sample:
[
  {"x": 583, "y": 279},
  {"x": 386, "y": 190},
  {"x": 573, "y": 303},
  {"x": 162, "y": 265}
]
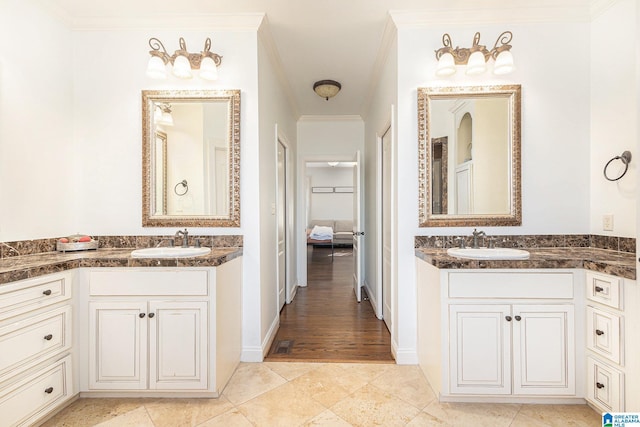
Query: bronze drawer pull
[
  {"x": 141, "y": 315},
  {"x": 508, "y": 318},
  {"x": 599, "y": 385},
  {"x": 151, "y": 315},
  {"x": 48, "y": 390},
  {"x": 599, "y": 289},
  {"x": 518, "y": 318},
  {"x": 599, "y": 332},
  {"x": 47, "y": 292},
  {"x": 48, "y": 337}
]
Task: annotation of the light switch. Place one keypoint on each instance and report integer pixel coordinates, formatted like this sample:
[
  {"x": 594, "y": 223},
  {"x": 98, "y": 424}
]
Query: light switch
[{"x": 607, "y": 222}]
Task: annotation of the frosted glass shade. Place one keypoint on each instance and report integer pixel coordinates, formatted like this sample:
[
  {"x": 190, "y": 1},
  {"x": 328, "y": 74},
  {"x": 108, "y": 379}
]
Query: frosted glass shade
[
  {"x": 208, "y": 69},
  {"x": 156, "y": 69},
  {"x": 182, "y": 68},
  {"x": 477, "y": 64},
  {"x": 504, "y": 63},
  {"x": 166, "y": 119},
  {"x": 446, "y": 65}
]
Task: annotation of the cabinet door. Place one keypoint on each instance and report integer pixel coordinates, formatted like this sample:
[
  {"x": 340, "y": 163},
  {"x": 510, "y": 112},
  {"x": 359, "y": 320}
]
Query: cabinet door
[
  {"x": 543, "y": 349},
  {"x": 178, "y": 345},
  {"x": 117, "y": 345},
  {"x": 480, "y": 347}
]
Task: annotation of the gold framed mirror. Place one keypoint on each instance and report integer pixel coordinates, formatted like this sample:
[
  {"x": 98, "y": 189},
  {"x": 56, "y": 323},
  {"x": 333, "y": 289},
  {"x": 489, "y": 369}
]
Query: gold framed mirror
[
  {"x": 191, "y": 158},
  {"x": 469, "y": 156}
]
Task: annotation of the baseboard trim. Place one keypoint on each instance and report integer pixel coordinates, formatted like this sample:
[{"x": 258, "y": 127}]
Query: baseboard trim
[{"x": 404, "y": 356}]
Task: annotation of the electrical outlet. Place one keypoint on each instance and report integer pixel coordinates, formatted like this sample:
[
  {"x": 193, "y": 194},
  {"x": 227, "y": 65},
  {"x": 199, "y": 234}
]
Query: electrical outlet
[{"x": 607, "y": 222}]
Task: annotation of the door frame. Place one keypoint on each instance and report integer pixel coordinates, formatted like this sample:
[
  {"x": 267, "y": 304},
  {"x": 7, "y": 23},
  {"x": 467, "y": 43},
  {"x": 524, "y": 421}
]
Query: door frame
[
  {"x": 301, "y": 233},
  {"x": 389, "y": 126},
  {"x": 289, "y": 218}
]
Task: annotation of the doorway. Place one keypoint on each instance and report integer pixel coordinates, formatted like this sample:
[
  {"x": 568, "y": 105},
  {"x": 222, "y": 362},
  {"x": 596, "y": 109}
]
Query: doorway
[
  {"x": 282, "y": 235},
  {"x": 385, "y": 197}
]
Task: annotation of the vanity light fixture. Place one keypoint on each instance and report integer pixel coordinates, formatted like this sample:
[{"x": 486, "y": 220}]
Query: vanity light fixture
[
  {"x": 327, "y": 88},
  {"x": 475, "y": 57},
  {"x": 182, "y": 61}
]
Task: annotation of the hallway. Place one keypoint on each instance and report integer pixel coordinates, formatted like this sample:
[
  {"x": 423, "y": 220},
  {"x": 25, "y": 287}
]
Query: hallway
[{"x": 324, "y": 322}]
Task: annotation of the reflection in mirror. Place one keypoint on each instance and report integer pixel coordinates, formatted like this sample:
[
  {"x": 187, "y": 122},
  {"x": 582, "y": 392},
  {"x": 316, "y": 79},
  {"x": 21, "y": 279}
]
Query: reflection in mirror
[
  {"x": 191, "y": 151},
  {"x": 469, "y": 156}
]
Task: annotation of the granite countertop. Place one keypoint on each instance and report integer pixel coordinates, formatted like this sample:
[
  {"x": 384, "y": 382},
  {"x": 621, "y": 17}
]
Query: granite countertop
[
  {"x": 621, "y": 264},
  {"x": 27, "y": 266}
]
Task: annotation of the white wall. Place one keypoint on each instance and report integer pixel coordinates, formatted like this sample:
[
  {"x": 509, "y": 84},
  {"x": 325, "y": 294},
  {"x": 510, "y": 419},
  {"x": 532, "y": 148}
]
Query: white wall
[
  {"x": 331, "y": 206},
  {"x": 38, "y": 161},
  {"x": 277, "y": 119},
  {"x": 379, "y": 117},
  {"x": 555, "y": 135},
  {"x": 614, "y": 117},
  {"x": 322, "y": 138}
]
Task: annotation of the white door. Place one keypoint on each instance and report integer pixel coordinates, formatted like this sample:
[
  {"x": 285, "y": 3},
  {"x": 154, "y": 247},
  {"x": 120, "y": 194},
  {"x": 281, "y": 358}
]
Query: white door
[
  {"x": 480, "y": 349},
  {"x": 178, "y": 345},
  {"x": 386, "y": 228},
  {"x": 358, "y": 234},
  {"x": 117, "y": 348},
  {"x": 282, "y": 224},
  {"x": 543, "y": 349}
]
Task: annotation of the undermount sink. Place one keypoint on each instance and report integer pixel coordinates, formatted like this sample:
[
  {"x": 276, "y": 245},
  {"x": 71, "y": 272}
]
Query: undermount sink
[
  {"x": 488, "y": 253},
  {"x": 170, "y": 252}
]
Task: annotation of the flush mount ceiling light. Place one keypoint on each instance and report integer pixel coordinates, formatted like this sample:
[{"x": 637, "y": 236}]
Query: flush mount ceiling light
[
  {"x": 475, "y": 57},
  {"x": 327, "y": 88},
  {"x": 182, "y": 61}
]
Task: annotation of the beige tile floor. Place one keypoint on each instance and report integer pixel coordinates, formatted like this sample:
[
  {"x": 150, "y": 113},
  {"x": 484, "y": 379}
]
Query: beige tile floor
[{"x": 320, "y": 394}]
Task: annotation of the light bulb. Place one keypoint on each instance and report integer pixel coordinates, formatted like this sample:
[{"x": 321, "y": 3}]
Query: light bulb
[
  {"x": 208, "y": 69},
  {"x": 504, "y": 63},
  {"x": 477, "y": 64},
  {"x": 156, "y": 68},
  {"x": 182, "y": 68},
  {"x": 446, "y": 65}
]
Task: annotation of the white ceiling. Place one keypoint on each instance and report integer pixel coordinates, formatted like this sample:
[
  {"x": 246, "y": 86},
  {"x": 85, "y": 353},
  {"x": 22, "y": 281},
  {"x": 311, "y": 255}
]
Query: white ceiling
[{"x": 314, "y": 39}]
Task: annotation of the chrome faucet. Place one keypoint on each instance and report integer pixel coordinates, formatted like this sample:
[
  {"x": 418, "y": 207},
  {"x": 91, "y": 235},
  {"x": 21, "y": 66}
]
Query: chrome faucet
[
  {"x": 477, "y": 234},
  {"x": 185, "y": 237}
]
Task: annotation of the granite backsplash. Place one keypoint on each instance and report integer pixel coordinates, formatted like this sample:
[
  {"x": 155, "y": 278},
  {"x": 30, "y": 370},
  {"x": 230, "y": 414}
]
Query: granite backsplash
[
  {"x": 30, "y": 247},
  {"x": 619, "y": 244}
]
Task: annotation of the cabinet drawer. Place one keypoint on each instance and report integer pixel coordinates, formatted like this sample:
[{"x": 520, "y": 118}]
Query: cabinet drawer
[
  {"x": 604, "y": 289},
  {"x": 24, "y": 342},
  {"x": 26, "y": 401},
  {"x": 603, "y": 334},
  {"x": 510, "y": 285},
  {"x": 26, "y": 295},
  {"x": 148, "y": 283},
  {"x": 605, "y": 386}
]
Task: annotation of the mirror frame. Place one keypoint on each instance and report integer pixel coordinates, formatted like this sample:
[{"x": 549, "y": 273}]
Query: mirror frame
[
  {"x": 426, "y": 217},
  {"x": 149, "y": 97}
]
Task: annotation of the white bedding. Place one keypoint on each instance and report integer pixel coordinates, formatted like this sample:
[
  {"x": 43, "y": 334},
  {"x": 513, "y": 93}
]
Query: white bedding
[{"x": 320, "y": 232}]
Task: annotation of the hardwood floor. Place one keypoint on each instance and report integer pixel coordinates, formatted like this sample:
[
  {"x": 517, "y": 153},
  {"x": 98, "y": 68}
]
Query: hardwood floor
[{"x": 324, "y": 322}]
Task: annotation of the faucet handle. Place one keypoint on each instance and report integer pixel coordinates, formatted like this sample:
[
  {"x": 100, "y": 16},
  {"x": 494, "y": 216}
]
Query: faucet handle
[
  {"x": 460, "y": 241},
  {"x": 197, "y": 244},
  {"x": 491, "y": 242}
]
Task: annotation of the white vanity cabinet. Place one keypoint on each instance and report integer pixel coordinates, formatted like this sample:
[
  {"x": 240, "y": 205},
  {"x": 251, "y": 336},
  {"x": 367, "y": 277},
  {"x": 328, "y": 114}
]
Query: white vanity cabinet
[
  {"x": 511, "y": 349},
  {"x": 160, "y": 331},
  {"x": 612, "y": 342},
  {"x": 148, "y": 344},
  {"x": 36, "y": 343},
  {"x": 499, "y": 335}
]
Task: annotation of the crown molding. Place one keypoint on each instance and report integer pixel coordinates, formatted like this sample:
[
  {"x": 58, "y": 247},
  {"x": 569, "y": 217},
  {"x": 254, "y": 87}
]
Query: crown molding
[
  {"x": 329, "y": 118},
  {"x": 479, "y": 16},
  {"x": 388, "y": 38},
  {"x": 194, "y": 22},
  {"x": 265, "y": 35}
]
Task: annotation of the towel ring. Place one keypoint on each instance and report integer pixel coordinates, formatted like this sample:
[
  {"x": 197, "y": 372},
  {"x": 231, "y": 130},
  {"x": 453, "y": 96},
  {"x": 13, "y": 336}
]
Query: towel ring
[
  {"x": 626, "y": 159},
  {"x": 184, "y": 185}
]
